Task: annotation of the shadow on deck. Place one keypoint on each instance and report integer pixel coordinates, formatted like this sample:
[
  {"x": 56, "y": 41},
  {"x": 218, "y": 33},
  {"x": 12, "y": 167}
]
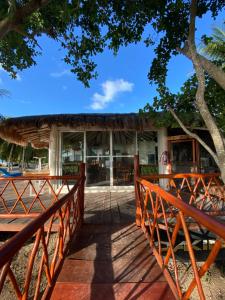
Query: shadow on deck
[{"x": 111, "y": 258}]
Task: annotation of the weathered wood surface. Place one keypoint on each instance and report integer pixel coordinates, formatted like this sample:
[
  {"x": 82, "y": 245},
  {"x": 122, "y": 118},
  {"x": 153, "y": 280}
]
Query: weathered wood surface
[
  {"x": 111, "y": 258},
  {"x": 111, "y": 262},
  {"x": 109, "y": 207}
]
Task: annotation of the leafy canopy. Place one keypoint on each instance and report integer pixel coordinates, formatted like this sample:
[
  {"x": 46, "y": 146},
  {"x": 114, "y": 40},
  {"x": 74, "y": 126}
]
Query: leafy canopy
[
  {"x": 184, "y": 104},
  {"x": 86, "y": 27}
]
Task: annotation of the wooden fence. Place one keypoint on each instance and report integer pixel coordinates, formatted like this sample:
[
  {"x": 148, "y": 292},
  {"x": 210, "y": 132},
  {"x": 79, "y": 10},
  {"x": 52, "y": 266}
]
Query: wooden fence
[
  {"x": 46, "y": 247},
  {"x": 167, "y": 220}
]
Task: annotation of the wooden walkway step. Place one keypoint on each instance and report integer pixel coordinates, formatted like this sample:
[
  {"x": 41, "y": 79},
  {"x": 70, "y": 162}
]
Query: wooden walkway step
[{"x": 111, "y": 262}]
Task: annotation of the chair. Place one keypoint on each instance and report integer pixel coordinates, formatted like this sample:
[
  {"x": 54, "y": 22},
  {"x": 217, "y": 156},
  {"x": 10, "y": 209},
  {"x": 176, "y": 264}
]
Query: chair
[{"x": 8, "y": 174}]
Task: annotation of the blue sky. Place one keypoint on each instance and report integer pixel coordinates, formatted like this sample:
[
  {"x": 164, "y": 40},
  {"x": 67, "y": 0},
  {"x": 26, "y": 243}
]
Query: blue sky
[{"x": 122, "y": 84}]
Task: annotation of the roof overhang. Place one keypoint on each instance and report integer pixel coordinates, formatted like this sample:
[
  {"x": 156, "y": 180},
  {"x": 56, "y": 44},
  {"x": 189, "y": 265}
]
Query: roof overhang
[{"x": 36, "y": 129}]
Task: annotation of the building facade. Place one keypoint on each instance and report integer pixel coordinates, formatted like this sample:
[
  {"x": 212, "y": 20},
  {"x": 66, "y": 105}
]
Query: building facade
[{"x": 107, "y": 144}]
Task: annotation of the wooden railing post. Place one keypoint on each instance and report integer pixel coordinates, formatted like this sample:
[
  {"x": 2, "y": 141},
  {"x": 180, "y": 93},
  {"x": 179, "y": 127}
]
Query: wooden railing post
[
  {"x": 137, "y": 190},
  {"x": 81, "y": 191}
]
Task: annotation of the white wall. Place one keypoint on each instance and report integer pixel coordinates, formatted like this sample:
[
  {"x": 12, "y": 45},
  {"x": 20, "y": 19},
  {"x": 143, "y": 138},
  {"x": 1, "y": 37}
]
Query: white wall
[
  {"x": 162, "y": 146},
  {"x": 54, "y": 151}
]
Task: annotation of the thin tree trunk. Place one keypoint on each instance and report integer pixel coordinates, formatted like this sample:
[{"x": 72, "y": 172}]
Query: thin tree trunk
[
  {"x": 214, "y": 71},
  {"x": 10, "y": 157},
  {"x": 22, "y": 162},
  {"x": 200, "y": 100},
  {"x": 194, "y": 135}
]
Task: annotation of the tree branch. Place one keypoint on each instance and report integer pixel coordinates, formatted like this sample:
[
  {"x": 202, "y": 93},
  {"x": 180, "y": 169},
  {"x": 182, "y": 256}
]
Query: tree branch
[
  {"x": 199, "y": 61},
  {"x": 30, "y": 36},
  {"x": 200, "y": 94},
  {"x": 191, "y": 33},
  {"x": 214, "y": 71},
  {"x": 11, "y": 22},
  {"x": 194, "y": 135}
]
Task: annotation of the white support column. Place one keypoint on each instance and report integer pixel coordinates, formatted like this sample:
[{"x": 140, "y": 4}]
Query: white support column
[
  {"x": 53, "y": 150},
  {"x": 111, "y": 158},
  {"x": 162, "y": 147}
]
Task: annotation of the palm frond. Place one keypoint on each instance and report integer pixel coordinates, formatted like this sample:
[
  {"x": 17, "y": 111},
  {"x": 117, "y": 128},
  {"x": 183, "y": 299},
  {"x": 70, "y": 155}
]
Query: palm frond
[{"x": 215, "y": 49}]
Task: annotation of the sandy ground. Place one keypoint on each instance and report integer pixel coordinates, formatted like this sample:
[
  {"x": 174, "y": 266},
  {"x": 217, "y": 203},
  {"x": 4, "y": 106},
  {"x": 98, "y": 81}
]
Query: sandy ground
[
  {"x": 213, "y": 282},
  {"x": 19, "y": 267}
]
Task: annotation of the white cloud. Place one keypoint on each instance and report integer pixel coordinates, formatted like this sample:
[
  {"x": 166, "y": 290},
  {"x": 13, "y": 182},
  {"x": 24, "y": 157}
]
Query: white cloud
[
  {"x": 24, "y": 101},
  {"x": 60, "y": 74},
  {"x": 110, "y": 89}
]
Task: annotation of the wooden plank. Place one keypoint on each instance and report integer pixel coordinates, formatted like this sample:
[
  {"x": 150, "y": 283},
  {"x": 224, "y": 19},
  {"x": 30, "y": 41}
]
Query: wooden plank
[
  {"x": 109, "y": 207},
  {"x": 18, "y": 225},
  {"x": 118, "y": 291},
  {"x": 111, "y": 262}
]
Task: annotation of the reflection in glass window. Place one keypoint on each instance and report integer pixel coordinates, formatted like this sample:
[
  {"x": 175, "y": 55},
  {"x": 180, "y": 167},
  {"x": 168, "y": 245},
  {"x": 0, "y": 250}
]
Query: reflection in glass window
[
  {"x": 98, "y": 171},
  {"x": 98, "y": 143},
  {"x": 124, "y": 143},
  {"x": 123, "y": 171},
  {"x": 182, "y": 157},
  {"x": 207, "y": 163},
  {"x": 72, "y": 152},
  {"x": 148, "y": 152},
  {"x": 147, "y": 147}
]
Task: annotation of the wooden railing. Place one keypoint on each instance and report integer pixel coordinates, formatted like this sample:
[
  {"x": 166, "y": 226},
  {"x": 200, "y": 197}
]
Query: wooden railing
[
  {"x": 38, "y": 251},
  {"x": 25, "y": 196},
  {"x": 169, "y": 221},
  {"x": 203, "y": 191}
]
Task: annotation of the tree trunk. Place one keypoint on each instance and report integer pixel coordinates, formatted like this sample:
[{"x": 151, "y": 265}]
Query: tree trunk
[
  {"x": 11, "y": 23},
  {"x": 215, "y": 72},
  {"x": 22, "y": 162},
  {"x": 10, "y": 156},
  {"x": 200, "y": 63}
]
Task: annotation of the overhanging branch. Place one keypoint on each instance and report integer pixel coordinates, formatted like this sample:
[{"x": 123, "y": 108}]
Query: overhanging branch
[
  {"x": 194, "y": 135},
  {"x": 9, "y": 23}
]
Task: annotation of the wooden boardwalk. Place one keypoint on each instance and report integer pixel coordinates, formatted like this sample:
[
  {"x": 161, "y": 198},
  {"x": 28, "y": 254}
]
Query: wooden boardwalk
[{"x": 110, "y": 259}]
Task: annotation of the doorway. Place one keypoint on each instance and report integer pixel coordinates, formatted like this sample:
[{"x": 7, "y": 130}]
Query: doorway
[{"x": 183, "y": 156}]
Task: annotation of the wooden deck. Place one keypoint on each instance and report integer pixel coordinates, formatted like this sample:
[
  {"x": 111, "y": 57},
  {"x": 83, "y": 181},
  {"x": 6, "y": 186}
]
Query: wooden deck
[
  {"x": 111, "y": 258},
  {"x": 22, "y": 197},
  {"x": 109, "y": 208}
]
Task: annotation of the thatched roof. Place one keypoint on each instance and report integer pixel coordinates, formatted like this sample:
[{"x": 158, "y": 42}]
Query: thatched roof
[{"x": 36, "y": 129}]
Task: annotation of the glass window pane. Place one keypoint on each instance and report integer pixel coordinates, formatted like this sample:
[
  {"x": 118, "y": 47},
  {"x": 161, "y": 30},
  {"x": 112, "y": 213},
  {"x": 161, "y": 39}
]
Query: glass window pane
[
  {"x": 123, "y": 171},
  {"x": 207, "y": 163},
  {"x": 97, "y": 143},
  {"x": 98, "y": 171},
  {"x": 182, "y": 157},
  {"x": 72, "y": 152},
  {"x": 124, "y": 143},
  {"x": 148, "y": 154}
]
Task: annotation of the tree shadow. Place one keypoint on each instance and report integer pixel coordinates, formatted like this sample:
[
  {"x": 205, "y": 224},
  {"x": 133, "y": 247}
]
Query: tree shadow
[{"x": 119, "y": 254}]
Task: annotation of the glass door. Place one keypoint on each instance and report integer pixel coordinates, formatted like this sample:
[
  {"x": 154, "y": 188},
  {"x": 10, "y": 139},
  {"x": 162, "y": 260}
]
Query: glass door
[
  {"x": 98, "y": 158},
  {"x": 124, "y": 149},
  {"x": 109, "y": 155},
  {"x": 183, "y": 156},
  {"x": 72, "y": 153}
]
